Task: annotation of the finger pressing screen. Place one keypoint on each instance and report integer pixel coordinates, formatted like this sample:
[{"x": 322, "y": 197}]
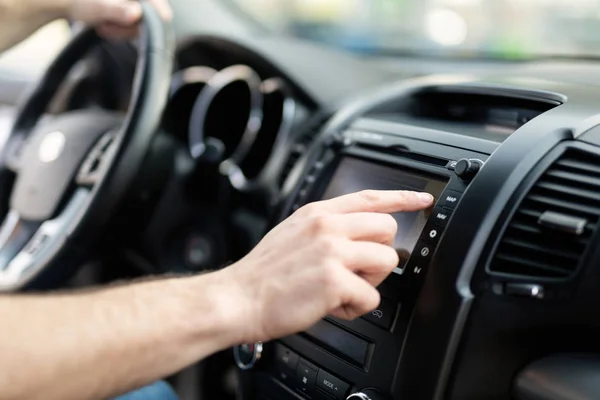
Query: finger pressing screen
[{"x": 378, "y": 201}]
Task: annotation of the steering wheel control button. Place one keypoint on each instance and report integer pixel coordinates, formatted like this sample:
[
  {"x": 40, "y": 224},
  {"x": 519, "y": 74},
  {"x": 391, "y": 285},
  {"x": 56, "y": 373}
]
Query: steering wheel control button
[
  {"x": 247, "y": 355},
  {"x": 286, "y": 359},
  {"x": 332, "y": 385},
  {"x": 36, "y": 244},
  {"x": 90, "y": 170},
  {"x": 306, "y": 375},
  {"x": 467, "y": 168},
  {"x": 450, "y": 199},
  {"x": 384, "y": 315}
]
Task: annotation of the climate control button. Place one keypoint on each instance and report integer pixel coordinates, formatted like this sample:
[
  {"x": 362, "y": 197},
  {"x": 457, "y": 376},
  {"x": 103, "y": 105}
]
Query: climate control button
[{"x": 332, "y": 385}]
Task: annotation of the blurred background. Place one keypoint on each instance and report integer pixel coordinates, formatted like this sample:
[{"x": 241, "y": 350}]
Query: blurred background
[
  {"x": 507, "y": 29},
  {"x": 500, "y": 29}
]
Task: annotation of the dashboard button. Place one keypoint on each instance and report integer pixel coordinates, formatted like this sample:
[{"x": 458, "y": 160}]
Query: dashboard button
[
  {"x": 332, "y": 385},
  {"x": 423, "y": 252},
  {"x": 450, "y": 199},
  {"x": 432, "y": 234},
  {"x": 383, "y": 316},
  {"x": 416, "y": 269},
  {"x": 286, "y": 358},
  {"x": 306, "y": 376},
  {"x": 441, "y": 216}
]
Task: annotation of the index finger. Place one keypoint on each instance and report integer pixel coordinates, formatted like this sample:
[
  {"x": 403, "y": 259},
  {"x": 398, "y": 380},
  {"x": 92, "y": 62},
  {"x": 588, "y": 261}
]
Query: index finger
[{"x": 379, "y": 201}]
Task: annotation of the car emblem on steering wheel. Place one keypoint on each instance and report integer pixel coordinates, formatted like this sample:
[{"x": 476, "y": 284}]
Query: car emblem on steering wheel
[{"x": 51, "y": 147}]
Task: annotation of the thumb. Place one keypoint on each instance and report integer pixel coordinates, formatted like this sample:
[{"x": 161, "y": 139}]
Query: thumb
[{"x": 120, "y": 12}]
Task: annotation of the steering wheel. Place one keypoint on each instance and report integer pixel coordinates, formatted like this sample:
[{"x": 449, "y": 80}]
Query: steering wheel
[{"x": 62, "y": 178}]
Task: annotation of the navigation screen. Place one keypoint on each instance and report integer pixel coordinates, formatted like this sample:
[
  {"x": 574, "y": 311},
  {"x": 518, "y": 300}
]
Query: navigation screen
[{"x": 354, "y": 175}]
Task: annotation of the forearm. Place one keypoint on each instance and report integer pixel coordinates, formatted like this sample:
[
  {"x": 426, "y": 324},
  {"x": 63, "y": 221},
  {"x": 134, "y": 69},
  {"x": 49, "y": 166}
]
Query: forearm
[
  {"x": 96, "y": 345},
  {"x": 20, "y": 18}
]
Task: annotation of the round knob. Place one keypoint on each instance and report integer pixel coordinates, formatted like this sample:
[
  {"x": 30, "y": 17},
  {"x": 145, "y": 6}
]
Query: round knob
[
  {"x": 367, "y": 394},
  {"x": 466, "y": 168},
  {"x": 246, "y": 355}
]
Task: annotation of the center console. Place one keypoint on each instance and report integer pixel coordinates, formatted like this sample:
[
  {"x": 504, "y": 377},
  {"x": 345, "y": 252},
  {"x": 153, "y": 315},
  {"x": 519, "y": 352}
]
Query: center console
[
  {"x": 367, "y": 358},
  {"x": 335, "y": 358}
]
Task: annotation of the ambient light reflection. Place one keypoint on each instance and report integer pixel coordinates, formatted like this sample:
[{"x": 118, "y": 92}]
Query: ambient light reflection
[{"x": 446, "y": 27}]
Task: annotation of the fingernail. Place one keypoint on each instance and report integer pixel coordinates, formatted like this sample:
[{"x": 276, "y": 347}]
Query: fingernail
[{"x": 426, "y": 198}]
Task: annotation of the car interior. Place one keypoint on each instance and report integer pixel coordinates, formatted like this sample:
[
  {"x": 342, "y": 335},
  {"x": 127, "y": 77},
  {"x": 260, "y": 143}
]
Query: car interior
[{"x": 176, "y": 152}]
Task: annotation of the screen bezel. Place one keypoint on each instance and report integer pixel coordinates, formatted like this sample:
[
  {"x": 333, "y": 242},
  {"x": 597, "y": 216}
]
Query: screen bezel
[{"x": 324, "y": 179}]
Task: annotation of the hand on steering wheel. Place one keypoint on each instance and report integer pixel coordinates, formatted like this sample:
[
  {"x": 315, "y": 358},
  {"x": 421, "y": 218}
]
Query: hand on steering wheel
[
  {"x": 61, "y": 179},
  {"x": 115, "y": 19}
]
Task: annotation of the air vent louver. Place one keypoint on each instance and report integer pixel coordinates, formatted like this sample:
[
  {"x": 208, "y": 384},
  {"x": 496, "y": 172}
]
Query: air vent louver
[
  {"x": 310, "y": 130},
  {"x": 570, "y": 187}
]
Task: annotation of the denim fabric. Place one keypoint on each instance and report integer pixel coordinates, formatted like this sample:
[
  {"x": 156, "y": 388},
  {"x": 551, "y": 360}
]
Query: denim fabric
[{"x": 157, "y": 391}]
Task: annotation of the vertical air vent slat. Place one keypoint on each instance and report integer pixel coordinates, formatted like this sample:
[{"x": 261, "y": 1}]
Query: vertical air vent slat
[{"x": 528, "y": 249}]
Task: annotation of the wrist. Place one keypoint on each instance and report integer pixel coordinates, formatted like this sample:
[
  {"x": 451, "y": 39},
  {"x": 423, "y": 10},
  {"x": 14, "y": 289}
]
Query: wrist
[{"x": 225, "y": 306}]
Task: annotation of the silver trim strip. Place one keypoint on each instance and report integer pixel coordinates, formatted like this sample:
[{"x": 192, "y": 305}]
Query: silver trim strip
[{"x": 219, "y": 81}]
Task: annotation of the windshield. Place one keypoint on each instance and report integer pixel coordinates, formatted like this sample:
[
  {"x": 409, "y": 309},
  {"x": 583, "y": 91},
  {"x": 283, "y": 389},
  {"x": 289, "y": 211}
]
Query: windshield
[{"x": 507, "y": 29}]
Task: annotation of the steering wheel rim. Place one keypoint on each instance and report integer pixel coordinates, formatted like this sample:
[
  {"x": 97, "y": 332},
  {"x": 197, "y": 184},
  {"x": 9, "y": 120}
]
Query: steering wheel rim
[{"x": 44, "y": 223}]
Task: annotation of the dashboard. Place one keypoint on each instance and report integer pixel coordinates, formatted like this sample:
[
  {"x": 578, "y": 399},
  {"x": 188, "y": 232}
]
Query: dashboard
[{"x": 494, "y": 295}]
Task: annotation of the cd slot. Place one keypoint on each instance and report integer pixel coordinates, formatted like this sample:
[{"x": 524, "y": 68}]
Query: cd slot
[{"x": 404, "y": 152}]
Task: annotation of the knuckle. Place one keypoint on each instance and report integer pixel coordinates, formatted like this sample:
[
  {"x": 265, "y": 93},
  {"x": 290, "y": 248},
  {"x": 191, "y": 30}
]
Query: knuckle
[
  {"x": 369, "y": 196},
  {"x": 327, "y": 246},
  {"x": 404, "y": 196},
  {"x": 320, "y": 224}
]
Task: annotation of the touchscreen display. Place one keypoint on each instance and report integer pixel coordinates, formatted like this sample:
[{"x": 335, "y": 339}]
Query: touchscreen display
[{"x": 353, "y": 175}]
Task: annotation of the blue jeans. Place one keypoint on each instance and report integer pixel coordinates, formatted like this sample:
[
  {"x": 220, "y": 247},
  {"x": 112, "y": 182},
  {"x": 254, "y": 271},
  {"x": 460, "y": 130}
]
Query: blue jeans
[{"x": 160, "y": 390}]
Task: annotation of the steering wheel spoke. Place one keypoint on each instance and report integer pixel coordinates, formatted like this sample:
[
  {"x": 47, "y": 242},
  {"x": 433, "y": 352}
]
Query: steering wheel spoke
[
  {"x": 13, "y": 152},
  {"x": 26, "y": 246},
  {"x": 97, "y": 161}
]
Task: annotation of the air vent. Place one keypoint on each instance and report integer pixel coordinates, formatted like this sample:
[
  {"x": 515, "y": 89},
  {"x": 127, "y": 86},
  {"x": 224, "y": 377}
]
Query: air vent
[
  {"x": 552, "y": 228},
  {"x": 304, "y": 138}
]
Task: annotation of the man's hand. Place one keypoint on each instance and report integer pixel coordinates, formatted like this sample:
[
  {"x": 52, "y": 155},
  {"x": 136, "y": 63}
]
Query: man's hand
[
  {"x": 115, "y": 19},
  {"x": 325, "y": 259}
]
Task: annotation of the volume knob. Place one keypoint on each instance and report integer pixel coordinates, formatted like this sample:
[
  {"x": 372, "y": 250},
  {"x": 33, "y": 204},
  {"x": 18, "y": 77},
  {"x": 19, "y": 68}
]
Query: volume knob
[
  {"x": 366, "y": 394},
  {"x": 467, "y": 168},
  {"x": 247, "y": 355}
]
